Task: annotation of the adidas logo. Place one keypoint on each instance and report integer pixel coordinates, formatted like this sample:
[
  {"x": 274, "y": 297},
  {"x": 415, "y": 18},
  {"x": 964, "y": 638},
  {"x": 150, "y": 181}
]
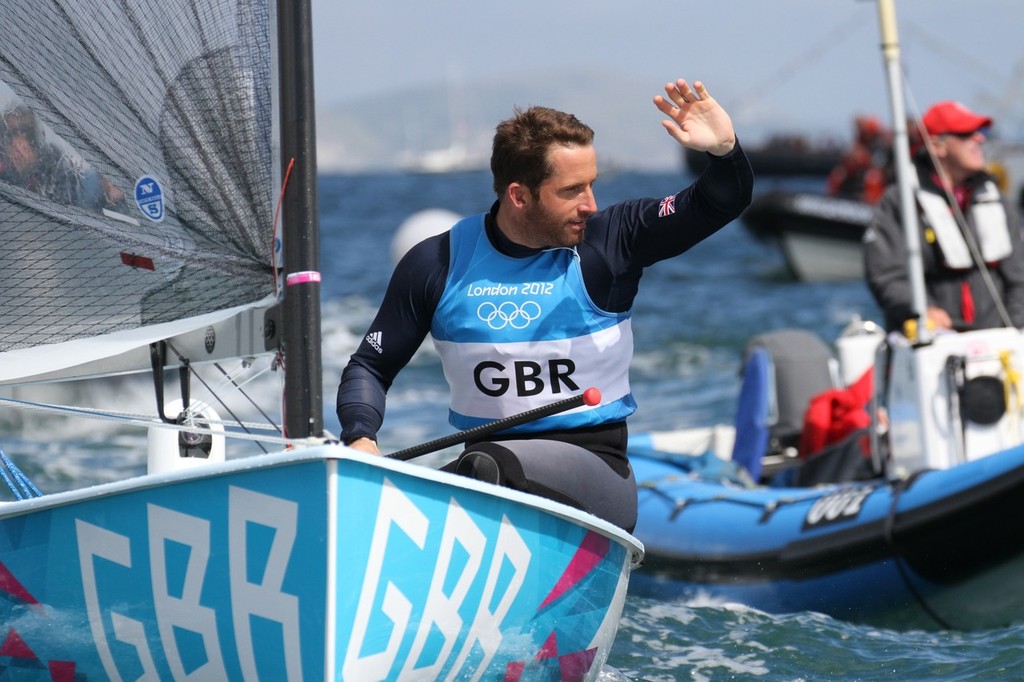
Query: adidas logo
[{"x": 374, "y": 339}]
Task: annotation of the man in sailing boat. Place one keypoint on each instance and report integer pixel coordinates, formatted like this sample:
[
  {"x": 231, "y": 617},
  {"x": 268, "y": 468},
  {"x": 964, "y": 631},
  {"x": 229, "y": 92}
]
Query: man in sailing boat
[
  {"x": 531, "y": 302},
  {"x": 974, "y": 277},
  {"x": 28, "y": 159}
]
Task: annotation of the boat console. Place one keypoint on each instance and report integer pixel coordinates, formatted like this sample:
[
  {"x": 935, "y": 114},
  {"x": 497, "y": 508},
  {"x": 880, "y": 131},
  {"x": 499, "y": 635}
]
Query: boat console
[{"x": 957, "y": 398}]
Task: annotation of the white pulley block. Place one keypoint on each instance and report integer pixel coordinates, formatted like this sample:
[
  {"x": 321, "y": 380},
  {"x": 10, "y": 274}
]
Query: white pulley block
[{"x": 172, "y": 450}]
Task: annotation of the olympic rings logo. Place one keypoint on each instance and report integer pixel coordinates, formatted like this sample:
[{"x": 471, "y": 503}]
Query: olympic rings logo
[{"x": 508, "y": 314}]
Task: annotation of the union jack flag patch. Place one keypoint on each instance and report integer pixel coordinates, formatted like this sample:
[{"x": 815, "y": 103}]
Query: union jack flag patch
[{"x": 667, "y": 206}]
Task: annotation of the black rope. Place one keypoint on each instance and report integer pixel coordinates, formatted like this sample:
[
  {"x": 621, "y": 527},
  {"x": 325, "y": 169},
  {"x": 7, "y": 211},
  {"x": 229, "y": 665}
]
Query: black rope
[
  {"x": 247, "y": 397},
  {"x": 228, "y": 409},
  {"x": 890, "y": 522},
  {"x": 680, "y": 503},
  {"x": 224, "y": 405}
]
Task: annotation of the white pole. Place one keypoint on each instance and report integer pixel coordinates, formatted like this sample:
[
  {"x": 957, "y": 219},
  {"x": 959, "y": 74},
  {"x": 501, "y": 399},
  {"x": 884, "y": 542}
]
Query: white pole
[{"x": 905, "y": 176}]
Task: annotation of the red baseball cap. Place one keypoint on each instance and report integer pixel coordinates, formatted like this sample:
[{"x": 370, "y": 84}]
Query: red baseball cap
[{"x": 952, "y": 117}]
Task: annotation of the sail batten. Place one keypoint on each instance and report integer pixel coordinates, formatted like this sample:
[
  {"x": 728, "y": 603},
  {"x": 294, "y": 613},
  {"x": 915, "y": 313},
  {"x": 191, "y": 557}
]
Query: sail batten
[{"x": 136, "y": 165}]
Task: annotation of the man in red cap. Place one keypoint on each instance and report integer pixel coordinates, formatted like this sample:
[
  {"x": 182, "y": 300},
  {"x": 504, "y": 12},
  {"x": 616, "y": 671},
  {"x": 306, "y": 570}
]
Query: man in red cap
[{"x": 966, "y": 225}]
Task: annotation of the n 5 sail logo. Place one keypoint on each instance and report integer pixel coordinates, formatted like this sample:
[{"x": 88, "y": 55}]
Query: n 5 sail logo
[{"x": 149, "y": 197}]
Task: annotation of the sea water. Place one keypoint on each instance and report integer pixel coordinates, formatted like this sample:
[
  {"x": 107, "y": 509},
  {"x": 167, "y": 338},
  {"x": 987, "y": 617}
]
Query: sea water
[{"x": 692, "y": 318}]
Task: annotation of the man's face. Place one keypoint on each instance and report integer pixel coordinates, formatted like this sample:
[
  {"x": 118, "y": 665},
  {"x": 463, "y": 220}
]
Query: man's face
[
  {"x": 22, "y": 154},
  {"x": 557, "y": 214},
  {"x": 962, "y": 155}
]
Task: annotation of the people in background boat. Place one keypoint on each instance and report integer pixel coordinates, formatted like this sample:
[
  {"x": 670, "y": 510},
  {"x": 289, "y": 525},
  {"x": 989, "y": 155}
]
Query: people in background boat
[
  {"x": 866, "y": 168},
  {"x": 30, "y": 160},
  {"x": 531, "y": 302},
  {"x": 971, "y": 247}
]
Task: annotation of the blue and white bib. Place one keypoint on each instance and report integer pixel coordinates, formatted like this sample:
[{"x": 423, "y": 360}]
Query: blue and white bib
[{"x": 519, "y": 333}]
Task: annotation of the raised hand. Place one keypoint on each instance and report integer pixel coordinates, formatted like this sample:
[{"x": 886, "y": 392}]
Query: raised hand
[{"x": 696, "y": 120}]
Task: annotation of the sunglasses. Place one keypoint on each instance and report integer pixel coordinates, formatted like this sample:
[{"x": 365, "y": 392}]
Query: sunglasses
[{"x": 967, "y": 136}]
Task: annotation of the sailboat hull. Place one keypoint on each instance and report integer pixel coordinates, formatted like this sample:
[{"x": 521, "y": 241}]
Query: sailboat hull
[{"x": 316, "y": 564}]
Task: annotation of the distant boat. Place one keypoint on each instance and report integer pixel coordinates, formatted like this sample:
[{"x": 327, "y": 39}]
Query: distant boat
[
  {"x": 820, "y": 235},
  {"x": 466, "y": 150},
  {"x": 452, "y": 159},
  {"x": 782, "y": 155}
]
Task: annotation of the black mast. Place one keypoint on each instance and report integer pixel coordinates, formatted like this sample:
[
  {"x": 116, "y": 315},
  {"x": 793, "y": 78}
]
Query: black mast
[{"x": 303, "y": 394}]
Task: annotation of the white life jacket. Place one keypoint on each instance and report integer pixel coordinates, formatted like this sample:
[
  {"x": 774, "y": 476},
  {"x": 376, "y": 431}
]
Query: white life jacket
[{"x": 987, "y": 215}]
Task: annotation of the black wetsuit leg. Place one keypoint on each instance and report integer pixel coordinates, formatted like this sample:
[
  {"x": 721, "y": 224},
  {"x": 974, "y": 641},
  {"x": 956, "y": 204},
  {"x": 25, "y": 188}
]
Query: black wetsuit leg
[{"x": 558, "y": 471}]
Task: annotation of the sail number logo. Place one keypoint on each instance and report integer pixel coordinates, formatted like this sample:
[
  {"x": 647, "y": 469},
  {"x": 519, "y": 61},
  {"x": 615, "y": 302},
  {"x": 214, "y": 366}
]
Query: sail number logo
[
  {"x": 838, "y": 506},
  {"x": 149, "y": 197}
]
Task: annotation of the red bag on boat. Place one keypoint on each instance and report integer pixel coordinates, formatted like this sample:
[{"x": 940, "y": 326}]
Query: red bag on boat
[{"x": 836, "y": 413}]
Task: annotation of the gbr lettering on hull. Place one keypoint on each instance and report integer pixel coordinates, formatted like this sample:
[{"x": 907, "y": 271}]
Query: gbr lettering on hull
[
  {"x": 397, "y": 513},
  {"x": 106, "y": 560},
  {"x": 184, "y": 613}
]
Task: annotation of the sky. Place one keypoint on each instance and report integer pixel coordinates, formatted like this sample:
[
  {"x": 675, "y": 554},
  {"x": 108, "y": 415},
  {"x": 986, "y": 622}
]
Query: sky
[{"x": 776, "y": 65}]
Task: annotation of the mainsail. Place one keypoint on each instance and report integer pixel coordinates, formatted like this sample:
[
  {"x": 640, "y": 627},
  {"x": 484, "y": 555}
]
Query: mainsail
[{"x": 136, "y": 180}]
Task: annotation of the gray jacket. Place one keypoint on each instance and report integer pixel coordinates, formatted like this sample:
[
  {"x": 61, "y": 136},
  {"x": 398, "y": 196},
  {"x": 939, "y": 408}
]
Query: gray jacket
[{"x": 885, "y": 264}]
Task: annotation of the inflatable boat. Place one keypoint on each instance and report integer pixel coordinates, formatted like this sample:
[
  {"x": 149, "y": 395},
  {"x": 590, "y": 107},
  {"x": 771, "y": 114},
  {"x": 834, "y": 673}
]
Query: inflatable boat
[{"x": 914, "y": 520}]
